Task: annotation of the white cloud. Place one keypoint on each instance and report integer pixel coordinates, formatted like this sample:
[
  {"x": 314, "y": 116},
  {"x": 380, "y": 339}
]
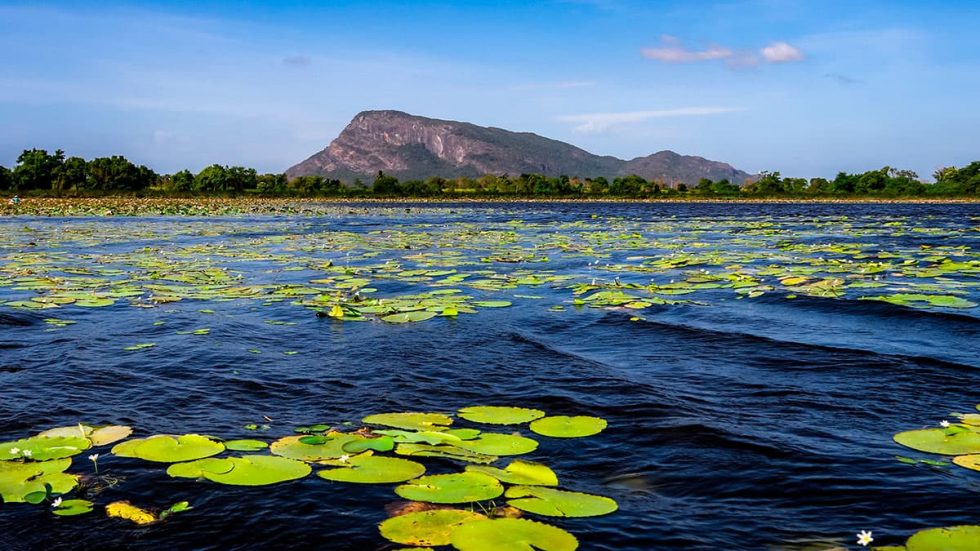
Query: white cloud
[
  {"x": 781, "y": 52},
  {"x": 590, "y": 123},
  {"x": 671, "y": 51}
]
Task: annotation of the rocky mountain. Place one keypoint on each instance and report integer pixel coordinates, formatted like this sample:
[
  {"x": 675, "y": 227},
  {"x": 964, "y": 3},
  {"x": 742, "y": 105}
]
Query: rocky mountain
[{"x": 411, "y": 147}]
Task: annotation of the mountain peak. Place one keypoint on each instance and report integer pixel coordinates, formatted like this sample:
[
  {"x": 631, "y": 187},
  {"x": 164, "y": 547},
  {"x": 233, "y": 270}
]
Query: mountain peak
[{"x": 412, "y": 147}]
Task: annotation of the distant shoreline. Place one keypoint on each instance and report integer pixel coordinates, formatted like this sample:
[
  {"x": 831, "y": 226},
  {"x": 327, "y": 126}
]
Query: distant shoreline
[{"x": 238, "y": 206}]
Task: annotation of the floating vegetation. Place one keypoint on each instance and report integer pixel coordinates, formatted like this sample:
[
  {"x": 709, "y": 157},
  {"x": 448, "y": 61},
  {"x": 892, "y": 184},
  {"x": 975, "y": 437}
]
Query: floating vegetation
[
  {"x": 426, "y": 528},
  {"x": 415, "y": 272},
  {"x": 34, "y": 470},
  {"x": 568, "y": 427}
]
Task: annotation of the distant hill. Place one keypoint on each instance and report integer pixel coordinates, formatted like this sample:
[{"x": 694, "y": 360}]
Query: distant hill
[{"x": 415, "y": 148}]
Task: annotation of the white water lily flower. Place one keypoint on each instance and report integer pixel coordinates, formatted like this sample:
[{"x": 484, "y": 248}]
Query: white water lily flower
[
  {"x": 94, "y": 457},
  {"x": 944, "y": 424},
  {"x": 344, "y": 458},
  {"x": 14, "y": 451},
  {"x": 56, "y": 503},
  {"x": 864, "y": 538},
  {"x": 27, "y": 453}
]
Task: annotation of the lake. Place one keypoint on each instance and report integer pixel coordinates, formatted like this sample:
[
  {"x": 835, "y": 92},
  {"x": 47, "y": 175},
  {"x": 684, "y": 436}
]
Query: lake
[{"x": 752, "y": 361}]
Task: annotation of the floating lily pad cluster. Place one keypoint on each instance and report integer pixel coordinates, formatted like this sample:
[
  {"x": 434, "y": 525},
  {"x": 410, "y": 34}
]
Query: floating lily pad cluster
[
  {"x": 418, "y": 271},
  {"x": 961, "y": 441},
  {"x": 458, "y": 508}
]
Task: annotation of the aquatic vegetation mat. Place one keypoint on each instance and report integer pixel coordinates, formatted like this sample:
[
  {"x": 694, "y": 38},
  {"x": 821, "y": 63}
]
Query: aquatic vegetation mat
[{"x": 34, "y": 470}]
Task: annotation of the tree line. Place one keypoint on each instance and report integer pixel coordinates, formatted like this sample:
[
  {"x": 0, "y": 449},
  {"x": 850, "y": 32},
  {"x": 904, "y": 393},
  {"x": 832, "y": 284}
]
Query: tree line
[{"x": 38, "y": 172}]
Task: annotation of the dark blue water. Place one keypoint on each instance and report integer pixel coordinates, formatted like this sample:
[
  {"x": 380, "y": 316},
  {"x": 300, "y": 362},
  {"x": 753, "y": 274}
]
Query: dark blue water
[{"x": 733, "y": 423}]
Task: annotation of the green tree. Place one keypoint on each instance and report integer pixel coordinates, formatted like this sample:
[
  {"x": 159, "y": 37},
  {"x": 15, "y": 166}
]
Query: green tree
[
  {"x": 181, "y": 182},
  {"x": 211, "y": 179},
  {"x": 36, "y": 169},
  {"x": 6, "y": 178},
  {"x": 73, "y": 174},
  {"x": 116, "y": 173},
  {"x": 385, "y": 185}
]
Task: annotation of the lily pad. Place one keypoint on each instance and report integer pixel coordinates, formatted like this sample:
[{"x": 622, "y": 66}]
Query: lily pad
[
  {"x": 558, "y": 503},
  {"x": 107, "y": 435},
  {"x": 445, "y": 452},
  {"x": 196, "y": 469},
  {"x": 941, "y": 441},
  {"x": 128, "y": 511},
  {"x": 953, "y": 538},
  {"x": 246, "y": 445},
  {"x": 330, "y": 446},
  {"x": 408, "y": 317},
  {"x": 971, "y": 462},
  {"x": 169, "y": 449},
  {"x": 451, "y": 488},
  {"x": 18, "y": 480},
  {"x": 498, "y": 415},
  {"x": 73, "y": 507},
  {"x": 373, "y": 469},
  {"x": 426, "y": 527},
  {"x": 568, "y": 427},
  {"x": 491, "y": 443},
  {"x": 521, "y": 472},
  {"x": 511, "y": 534},
  {"x": 259, "y": 470},
  {"x": 410, "y": 420},
  {"x": 44, "y": 448}
]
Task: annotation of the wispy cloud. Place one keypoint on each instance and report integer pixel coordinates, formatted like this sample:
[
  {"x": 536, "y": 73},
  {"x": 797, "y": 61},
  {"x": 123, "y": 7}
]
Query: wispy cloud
[
  {"x": 591, "y": 123},
  {"x": 781, "y": 52},
  {"x": 672, "y": 51}
]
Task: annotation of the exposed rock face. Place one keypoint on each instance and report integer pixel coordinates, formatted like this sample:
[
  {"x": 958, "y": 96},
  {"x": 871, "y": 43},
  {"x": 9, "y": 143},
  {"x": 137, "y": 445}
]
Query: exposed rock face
[{"x": 410, "y": 147}]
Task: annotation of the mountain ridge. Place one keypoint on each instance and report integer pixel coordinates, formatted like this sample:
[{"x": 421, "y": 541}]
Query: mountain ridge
[{"x": 412, "y": 147}]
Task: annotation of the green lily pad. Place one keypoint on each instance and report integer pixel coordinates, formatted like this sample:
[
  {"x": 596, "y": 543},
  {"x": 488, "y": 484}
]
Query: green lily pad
[
  {"x": 511, "y": 534},
  {"x": 410, "y": 420},
  {"x": 196, "y": 469},
  {"x": 373, "y": 469},
  {"x": 259, "y": 470},
  {"x": 558, "y": 503},
  {"x": 73, "y": 507},
  {"x": 521, "y": 472},
  {"x": 169, "y": 449},
  {"x": 491, "y": 443},
  {"x": 451, "y": 488},
  {"x": 492, "y": 303},
  {"x": 408, "y": 317},
  {"x": 246, "y": 445},
  {"x": 953, "y": 538},
  {"x": 80, "y": 429},
  {"x": 415, "y": 437},
  {"x": 568, "y": 427},
  {"x": 19, "y": 480},
  {"x": 941, "y": 441},
  {"x": 426, "y": 527},
  {"x": 444, "y": 452},
  {"x": 330, "y": 446},
  {"x": 498, "y": 415},
  {"x": 382, "y": 444},
  {"x": 44, "y": 448}
]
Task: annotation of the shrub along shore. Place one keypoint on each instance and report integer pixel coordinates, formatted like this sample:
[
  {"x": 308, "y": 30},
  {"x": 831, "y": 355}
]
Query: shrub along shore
[{"x": 39, "y": 174}]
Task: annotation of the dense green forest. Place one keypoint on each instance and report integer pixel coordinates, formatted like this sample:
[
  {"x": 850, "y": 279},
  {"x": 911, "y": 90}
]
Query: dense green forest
[{"x": 39, "y": 173}]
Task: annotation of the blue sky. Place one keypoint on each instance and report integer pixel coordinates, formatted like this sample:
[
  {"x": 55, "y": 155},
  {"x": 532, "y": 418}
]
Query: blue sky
[{"x": 807, "y": 88}]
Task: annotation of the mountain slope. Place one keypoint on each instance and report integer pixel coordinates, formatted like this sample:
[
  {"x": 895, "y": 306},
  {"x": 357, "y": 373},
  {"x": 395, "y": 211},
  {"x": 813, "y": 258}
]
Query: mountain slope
[{"x": 412, "y": 147}]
